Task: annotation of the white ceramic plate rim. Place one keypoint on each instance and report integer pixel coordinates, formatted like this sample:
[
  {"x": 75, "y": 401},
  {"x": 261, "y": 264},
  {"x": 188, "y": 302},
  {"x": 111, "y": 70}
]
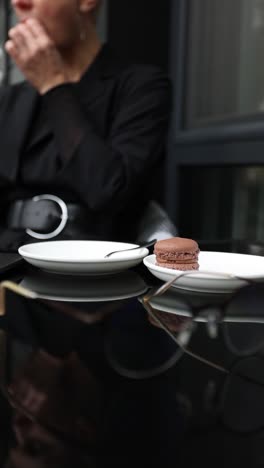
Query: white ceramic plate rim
[
  {"x": 142, "y": 252},
  {"x": 201, "y": 275}
]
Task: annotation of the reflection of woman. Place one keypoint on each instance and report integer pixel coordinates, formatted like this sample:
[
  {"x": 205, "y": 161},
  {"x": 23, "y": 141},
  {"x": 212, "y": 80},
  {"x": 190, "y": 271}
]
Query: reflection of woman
[
  {"x": 139, "y": 417},
  {"x": 57, "y": 413},
  {"x": 84, "y": 127}
]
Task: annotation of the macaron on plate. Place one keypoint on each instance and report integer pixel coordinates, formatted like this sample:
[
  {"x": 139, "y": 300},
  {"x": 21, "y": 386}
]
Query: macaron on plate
[{"x": 219, "y": 272}]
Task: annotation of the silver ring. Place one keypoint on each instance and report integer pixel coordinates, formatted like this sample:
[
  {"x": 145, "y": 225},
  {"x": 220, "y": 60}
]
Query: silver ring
[{"x": 63, "y": 217}]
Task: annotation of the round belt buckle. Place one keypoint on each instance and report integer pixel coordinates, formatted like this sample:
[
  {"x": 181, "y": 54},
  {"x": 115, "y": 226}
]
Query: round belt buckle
[{"x": 63, "y": 216}]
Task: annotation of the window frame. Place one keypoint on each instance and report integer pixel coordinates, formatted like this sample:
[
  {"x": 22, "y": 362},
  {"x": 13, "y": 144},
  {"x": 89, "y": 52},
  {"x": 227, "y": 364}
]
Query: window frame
[
  {"x": 224, "y": 129},
  {"x": 231, "y": 142}
]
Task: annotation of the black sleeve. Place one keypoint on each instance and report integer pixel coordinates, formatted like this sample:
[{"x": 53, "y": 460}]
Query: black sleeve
[
  {"x": 107, "y": 172},
  {"x": 67, "y": 119}
]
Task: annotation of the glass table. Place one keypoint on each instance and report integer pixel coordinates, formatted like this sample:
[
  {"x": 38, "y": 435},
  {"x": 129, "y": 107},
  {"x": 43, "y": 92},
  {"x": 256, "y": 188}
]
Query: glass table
[{"x": 110, "y": 371}]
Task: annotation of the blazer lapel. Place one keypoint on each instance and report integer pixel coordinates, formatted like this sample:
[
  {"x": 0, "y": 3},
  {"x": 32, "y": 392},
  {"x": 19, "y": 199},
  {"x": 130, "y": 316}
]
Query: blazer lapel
[
  {"x": 17, "y": 111},
  {"x": 92, "y": 83}
]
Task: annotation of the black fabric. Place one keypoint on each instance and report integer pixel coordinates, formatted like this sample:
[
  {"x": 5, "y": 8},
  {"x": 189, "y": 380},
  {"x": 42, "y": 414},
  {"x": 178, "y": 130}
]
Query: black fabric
[{"x": 97, "y": 142}]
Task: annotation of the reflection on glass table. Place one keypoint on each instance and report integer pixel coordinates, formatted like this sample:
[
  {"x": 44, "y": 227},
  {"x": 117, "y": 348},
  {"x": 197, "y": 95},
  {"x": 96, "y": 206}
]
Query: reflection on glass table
[
  {"x": 143, "y": 377},
  {"x": 85, "y": 381},
  {"x": 84, "y": 289},
  {"x": 46, "y": 433},
  {"x": 181, "y": 310},
  {"x": 238, "y": 319}
]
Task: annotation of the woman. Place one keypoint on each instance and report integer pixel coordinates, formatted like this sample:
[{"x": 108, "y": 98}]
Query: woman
[{"x": 84, "y": 127}]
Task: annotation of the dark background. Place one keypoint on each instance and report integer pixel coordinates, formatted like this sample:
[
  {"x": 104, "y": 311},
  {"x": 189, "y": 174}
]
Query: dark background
[{"x": 140, "y": 30}]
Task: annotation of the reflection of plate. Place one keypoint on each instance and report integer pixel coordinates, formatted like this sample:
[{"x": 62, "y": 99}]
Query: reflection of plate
[
  {"x": 215, "y": 273},
  {"x": 83, "y": 289},
  {"x": 81, "y": 257},
  {"x": 173, "y": 302},
  {"x": 169, "y": 302}
]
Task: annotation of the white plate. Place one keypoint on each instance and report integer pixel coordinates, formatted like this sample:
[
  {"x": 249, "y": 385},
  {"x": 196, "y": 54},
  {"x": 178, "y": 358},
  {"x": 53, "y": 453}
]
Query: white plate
[
  {"x": 75, "y": 289},
  {"x": 81, "y": 257},
  {"x": 215, "y": 272}
]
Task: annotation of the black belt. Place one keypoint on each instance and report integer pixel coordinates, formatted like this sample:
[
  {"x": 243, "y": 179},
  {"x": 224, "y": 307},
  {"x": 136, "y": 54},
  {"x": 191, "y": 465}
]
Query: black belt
[{"x": 44, "y": 216}]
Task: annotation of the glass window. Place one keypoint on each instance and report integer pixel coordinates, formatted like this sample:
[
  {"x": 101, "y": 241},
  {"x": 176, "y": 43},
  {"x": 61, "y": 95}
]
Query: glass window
[
  {"x": 2, "y": 40},
  {"x": 225, "y": 69},
  {"x": 225, "y": 203}
]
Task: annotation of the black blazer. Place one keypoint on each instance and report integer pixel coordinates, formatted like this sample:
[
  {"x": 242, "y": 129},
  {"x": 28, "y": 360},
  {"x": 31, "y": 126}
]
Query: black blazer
[{"x": 106, "y": 137}]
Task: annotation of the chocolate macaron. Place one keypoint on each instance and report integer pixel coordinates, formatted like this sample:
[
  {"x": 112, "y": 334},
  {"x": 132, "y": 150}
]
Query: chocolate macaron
[{"x": 177, "y": 253}]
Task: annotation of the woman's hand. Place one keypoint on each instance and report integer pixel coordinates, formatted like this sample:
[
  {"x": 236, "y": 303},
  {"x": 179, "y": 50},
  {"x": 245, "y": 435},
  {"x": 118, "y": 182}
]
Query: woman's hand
[{"x": 36, "y": 55}]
